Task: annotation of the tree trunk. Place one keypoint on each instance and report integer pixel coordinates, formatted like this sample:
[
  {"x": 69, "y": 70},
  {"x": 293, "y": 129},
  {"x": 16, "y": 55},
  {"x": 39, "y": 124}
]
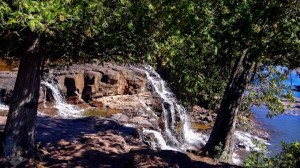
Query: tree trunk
[
  {"x": 20, "y": 127},
  {"x": 220, "y": 143}
]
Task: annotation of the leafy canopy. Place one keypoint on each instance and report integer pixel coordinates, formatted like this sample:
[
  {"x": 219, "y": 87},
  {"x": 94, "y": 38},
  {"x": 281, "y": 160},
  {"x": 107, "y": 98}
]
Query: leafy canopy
[{"x": 193, "y": 44}]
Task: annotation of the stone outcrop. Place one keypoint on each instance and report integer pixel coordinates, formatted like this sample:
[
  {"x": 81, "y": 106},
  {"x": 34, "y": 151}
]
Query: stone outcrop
[
  {"x": 98, "y": 85},
  {"x": 90, "y": 82},
  {"x": 105, "y": 87}
]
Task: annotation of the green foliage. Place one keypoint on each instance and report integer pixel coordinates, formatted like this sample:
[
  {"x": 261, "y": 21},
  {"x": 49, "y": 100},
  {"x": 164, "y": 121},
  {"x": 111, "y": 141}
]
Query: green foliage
[
  {"x": 258, "y": 158},
  {"x": 193, "y": 44},
  {"x": 39, "y": 16},
  {"x": 289, "y": 157},
  {"x": 218, "y": 151},
  {"x": 270, "y": 89}
]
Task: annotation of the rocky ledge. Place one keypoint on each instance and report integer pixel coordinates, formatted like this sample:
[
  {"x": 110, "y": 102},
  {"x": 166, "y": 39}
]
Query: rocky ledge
[
  {"x": 125, "y": 95},
  {"x": 100, "y": 142}
]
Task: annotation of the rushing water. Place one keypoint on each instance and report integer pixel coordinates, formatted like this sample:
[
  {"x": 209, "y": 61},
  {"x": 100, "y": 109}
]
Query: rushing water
[
  {"x": 177, "y": 133},
  {"x": 3, "y": 107},
  {"x": 64, "y": 110}
]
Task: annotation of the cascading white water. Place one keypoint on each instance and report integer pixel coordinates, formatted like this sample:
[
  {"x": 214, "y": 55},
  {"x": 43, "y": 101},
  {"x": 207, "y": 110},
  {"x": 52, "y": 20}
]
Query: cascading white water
[
  {"x": 175, "y": 117},
  {"x": 178, "y": 134},
  {"x": 64, "y": 110},
  {"x": 3, "y": 107}
]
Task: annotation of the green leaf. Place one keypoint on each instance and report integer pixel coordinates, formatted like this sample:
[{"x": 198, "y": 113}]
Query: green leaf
[
  {"x": 11, "y": 21},
  {"x": 31, "y": 25}
]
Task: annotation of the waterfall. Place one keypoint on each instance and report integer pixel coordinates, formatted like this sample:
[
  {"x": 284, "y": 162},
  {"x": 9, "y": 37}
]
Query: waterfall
[
  {"x": 3, "y": 107},
  {"x": 64, "y": 110},
  {"x": 177, "y": 133}
]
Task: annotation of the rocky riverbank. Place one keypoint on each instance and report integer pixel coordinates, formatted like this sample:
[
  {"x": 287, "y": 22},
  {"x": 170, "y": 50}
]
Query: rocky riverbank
[
  {"x": 109, "y": 90},
  {"x": 119, "y": 93},
  {"x": 100, "y": 142}
]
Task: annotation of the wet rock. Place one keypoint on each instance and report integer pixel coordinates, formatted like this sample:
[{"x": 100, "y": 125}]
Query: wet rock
[
  {"x": 156, "y": 104},
  {"x": 74, "y": 100},
  {"x": 151, "y": 141},
  {"x": 96, "y": 103},
  {"x": 42, "y": 93},
  {"x": 120, "y": 117},
  {"x": 48, "y": 108}
]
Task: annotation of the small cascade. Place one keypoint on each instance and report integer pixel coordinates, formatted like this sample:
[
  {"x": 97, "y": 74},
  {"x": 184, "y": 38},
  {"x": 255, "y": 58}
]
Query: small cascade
[
  {"x": 64, "y": 110},
  {"x": 3, "y": 107},
  {"x": 177, "y": 133}
]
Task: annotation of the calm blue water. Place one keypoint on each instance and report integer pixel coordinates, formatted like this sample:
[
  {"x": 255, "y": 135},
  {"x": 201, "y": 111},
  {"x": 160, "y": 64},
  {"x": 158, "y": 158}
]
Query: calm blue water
[{"x": 281, "y": 128}]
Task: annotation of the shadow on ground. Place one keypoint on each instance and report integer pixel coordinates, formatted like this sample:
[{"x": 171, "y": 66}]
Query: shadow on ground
[{"x": 93, "y": 142}]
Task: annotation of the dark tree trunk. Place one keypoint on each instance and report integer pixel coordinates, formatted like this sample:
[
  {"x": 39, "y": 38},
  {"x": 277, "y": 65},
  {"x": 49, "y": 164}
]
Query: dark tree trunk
[
  {"x": 20, "y": 127},
  {"x": 222, "y": 135}
]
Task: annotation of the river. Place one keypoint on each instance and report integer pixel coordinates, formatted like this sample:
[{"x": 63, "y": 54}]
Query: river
[{"x": 282, "y": 128}]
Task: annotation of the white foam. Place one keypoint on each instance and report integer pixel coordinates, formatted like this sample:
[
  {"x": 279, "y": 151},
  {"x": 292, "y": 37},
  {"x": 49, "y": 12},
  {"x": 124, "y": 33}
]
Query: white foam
[
  {"x": 248, "y": 141},
  {"x": 4, "y": 107},
  {"x": 64, "y": 110},
  {"x": 161, "y": 143},
  {"x": 185, "y": 138}
]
